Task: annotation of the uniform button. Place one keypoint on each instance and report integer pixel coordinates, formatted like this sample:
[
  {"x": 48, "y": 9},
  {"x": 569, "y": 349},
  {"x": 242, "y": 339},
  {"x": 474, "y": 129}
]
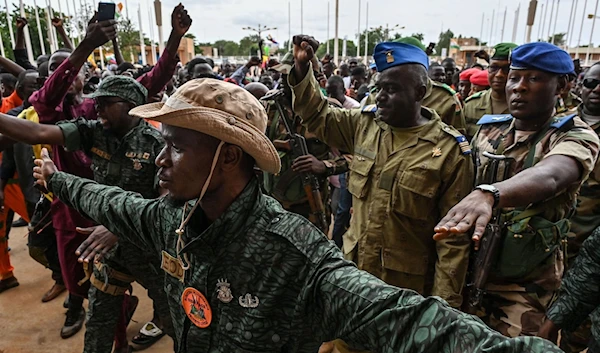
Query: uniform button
[
  {"x": 229, "y": 326},
  {"x": 169, "y": 286},
  {"x": 275, "y": 338},
  {"x": 275, "y": 220},
  {"x": 247, "y": 335}
]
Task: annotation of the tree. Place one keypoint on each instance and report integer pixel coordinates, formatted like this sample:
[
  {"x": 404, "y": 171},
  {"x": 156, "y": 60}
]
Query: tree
[
  {"x": 249, "y": 45},
  {"x": 559, "y": 39},
  {"x": 32, "y": 27},
  {"x": 444, "y": 41},
  {"x": 227, "y": 47},
  {"x": 419, "y": 36},
  {"x": 375, "y": 36},
  {"x": 350, "y": 48}
]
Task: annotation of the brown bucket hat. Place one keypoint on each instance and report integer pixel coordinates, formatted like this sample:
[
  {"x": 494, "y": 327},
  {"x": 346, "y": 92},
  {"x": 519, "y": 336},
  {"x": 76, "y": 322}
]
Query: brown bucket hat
[{"x": 222, "y": 110}]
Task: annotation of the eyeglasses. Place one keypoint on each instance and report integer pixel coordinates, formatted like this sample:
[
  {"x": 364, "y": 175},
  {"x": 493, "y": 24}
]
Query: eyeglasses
[
  {"x": 495, "y": 68},
  {"x": 591, "y": 83}
]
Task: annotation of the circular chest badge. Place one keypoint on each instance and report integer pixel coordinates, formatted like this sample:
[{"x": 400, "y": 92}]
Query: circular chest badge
[{"x": 196, "y": 307}]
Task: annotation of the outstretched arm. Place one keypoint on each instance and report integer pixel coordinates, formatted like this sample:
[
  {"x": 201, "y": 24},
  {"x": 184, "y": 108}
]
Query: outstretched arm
[
  {"x": 30, "y": 132},
  {"x": 58, "y": 24},
  {"x": 126, "y": 214}
]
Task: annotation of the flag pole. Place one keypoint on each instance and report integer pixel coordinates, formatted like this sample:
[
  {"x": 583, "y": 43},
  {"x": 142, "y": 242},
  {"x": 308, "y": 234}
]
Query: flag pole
[
  {"x": 26, "y": 32},
  {"x": 37, "y": 21}
]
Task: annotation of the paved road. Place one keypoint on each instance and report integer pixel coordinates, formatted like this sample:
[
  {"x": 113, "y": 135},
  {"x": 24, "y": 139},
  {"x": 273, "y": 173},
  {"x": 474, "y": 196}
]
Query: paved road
[{"x": 29, "y": 326}]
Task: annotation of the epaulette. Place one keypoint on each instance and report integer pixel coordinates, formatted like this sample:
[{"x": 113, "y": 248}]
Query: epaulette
[
  {"x": 559, "y": 122},
  {"x": 474, "y": 96},
  {"x": 462, "y": 141},
  {"x": 444, "y": 86},
  {"x": 371, "y": 108},
  {"x": 492, "y": 119}
]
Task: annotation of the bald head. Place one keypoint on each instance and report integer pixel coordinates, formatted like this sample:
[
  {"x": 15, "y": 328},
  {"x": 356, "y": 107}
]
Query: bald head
[{"x": 257, "y": 89}]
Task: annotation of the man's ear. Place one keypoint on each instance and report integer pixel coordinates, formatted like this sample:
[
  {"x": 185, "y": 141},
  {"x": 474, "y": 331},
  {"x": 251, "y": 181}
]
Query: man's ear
[
  {"x": 232, "y": 156},
  {"x": 561, "y": 84}
]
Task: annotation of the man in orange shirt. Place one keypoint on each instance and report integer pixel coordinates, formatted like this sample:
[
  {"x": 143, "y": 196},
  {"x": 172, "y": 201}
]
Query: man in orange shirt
[{"x": 11, "y": 196}]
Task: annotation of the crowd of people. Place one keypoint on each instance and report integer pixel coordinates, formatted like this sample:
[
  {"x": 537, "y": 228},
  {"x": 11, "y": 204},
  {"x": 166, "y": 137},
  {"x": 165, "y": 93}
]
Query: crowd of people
[{"x": 294, "y": 205}]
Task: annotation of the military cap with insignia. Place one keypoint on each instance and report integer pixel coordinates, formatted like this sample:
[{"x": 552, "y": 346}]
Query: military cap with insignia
[
  {"x": 390, "y": 54},
  {"x": 501, "y": 51},
  {"x": 541, "y": 56}
]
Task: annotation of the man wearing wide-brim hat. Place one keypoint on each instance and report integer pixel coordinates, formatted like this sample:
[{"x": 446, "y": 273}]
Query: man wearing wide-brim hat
[{"x": 241, "y": 273}]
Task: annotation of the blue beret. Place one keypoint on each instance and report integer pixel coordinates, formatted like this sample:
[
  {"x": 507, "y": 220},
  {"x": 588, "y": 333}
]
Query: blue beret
[
  {"x": 541, "y": 56},
  {"x": 372, "y": 66},
  {"x": 390, "y": 54}
]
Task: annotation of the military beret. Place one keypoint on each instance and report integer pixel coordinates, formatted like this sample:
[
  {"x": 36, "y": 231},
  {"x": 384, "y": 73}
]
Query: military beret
[
  {"x": 466, "y": 74},
  {"x": 541, "y": 56},
  {"x": 123, "y": 87},
  {"x": 501, "y": 51},
  {"x": 390, "y": 54},
  {"x": 480, "y": 78},
  {"x": 412, "y": 41}
]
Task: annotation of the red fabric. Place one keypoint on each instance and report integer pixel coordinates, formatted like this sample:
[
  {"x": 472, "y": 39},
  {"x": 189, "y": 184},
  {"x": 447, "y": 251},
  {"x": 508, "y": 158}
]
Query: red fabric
[
  {"x": 466, "y": 75},
  {"x": 14, "y": 200},
  {"x": 480, "y": 78},
  {"x": 10, "y": 102}
]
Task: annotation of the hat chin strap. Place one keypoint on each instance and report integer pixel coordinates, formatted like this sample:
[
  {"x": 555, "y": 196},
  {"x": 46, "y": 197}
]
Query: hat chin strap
[{"x": 185, "y": 262}]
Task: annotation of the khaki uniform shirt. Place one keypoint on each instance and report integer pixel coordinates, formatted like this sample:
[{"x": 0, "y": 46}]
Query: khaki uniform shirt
[
  {"x": 444, "y": 100},
  {"x": 570, "y": 137},
  {"x": 477, "y": 106},
  {"x": 399, "y": 195}
]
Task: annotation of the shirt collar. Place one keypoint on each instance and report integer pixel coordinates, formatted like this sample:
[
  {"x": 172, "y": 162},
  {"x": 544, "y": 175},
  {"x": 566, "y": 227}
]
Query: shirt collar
[{"x": 238, "y": 217}]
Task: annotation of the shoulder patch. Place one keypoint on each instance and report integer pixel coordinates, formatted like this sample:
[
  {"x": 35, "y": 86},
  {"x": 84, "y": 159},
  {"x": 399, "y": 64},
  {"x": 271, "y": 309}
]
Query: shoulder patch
[
  {"x": 371, "y": 108},
  {"x": 493, "y": 119},
  {"x": 445, "y": 86},
  {"x": 559, "y": 122},
  {"x": 462, "y": 141},
  {"x": 474, "y": 96}
]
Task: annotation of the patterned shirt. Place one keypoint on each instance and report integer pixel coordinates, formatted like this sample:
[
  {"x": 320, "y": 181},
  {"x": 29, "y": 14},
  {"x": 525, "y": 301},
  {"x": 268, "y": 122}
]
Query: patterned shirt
[{"x": 266, "y": 280}]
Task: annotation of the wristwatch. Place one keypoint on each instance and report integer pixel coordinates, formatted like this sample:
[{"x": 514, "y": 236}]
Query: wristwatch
[{"x": 491, "y": 189}]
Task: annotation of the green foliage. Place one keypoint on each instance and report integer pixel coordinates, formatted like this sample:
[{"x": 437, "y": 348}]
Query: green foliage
[
  {"x": 444, "y": 41},
  {"x": 350, "y": 48}
]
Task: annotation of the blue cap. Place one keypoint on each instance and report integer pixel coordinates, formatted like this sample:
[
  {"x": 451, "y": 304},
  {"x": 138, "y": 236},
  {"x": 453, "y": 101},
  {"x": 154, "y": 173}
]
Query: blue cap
[
  {"x": 390, "y": 54},
  {"x": 541, "y": 56},
  {"x": 372, "y": 66}
]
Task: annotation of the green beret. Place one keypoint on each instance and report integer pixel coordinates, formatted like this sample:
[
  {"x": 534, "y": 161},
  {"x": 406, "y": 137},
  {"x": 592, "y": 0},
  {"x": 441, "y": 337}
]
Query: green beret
[
  {"x": 501, "y": 51},
  {"x": 412, "y": 41},
  {"x": 123, "y": 87}
]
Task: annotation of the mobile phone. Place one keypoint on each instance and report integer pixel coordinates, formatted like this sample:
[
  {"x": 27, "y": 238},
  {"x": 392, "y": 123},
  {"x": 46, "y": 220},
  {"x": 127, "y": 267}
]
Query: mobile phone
[{"x": 106, "y": 11}]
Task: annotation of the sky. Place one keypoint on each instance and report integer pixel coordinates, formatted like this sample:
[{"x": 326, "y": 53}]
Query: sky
[{"x": 224, "y": 19}]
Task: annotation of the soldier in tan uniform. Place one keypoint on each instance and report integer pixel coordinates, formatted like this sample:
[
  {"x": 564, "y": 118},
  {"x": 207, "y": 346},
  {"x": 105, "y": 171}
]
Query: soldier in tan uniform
[
  {"x": 553, "y": 156},
  {"x": 493, "y": 100},
  {"x": 408, "y": 169}
]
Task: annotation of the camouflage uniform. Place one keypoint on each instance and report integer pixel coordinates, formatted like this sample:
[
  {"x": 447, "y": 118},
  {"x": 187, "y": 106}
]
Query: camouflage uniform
[
  {"x": 477, "y": 106},
  {"x": 400, "y": 191},
  {"x": 583, "y": 222},
  {"x": 274, "y": 283},
  {"x": 286, "y": 187},
  {"x": 129, "y": 164},
  {"x": 517, "y": 306},
  {"x": 569, "y": 104},
  {"x": 580, "y": 291}
]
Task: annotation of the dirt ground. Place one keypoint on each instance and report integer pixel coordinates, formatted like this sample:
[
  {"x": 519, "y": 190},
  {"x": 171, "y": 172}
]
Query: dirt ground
[{"x": 29, "y": 326}]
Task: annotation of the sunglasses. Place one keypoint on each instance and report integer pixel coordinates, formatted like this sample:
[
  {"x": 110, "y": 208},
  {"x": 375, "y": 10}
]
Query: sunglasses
[{"x": 591, "y": 83}]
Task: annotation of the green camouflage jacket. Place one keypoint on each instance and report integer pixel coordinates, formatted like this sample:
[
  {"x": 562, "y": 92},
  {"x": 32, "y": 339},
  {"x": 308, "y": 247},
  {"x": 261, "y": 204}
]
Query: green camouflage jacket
[
  {"x": 580, "y": 290},
  {"x": 274, "y": 283},
  {"x": 127, "y": 163}
]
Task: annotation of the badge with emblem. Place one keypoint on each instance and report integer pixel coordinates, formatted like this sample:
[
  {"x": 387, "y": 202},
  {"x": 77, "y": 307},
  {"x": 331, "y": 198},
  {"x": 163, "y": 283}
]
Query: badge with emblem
[
  {"x": 389, "y": 57},
  {"x": 436, "y": 152},
  {"x": 247, "y": 301},
  {"x": 130, "y": 154},
  {"x": 196, "y": 307},
  {"x": 224, "y": 291},
  {"x": 137, "y": 165},
  {"x": 146, "y": 155}
]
